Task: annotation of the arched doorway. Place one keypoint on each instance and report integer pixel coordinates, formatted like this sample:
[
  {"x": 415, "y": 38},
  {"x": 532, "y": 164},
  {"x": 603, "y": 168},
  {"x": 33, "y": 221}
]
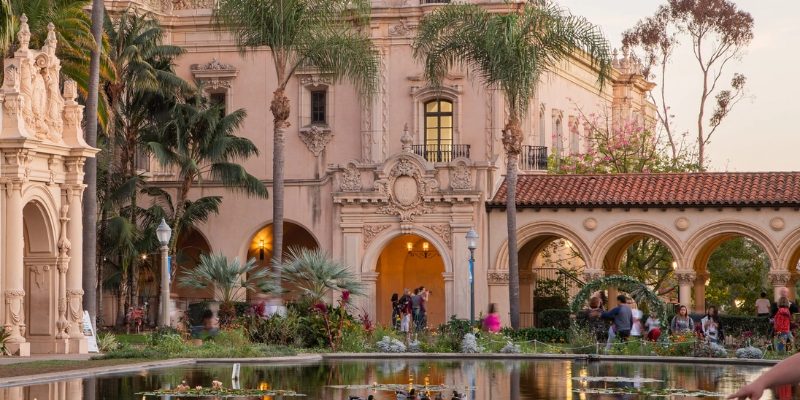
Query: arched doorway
[
  {"x": 408, "y": 262},
  {"x": 550, "y": 276},
  {"x": 41, "y": 280},
  {"x": 191, "y": 244},
  {"x": 260, "y": 247}
]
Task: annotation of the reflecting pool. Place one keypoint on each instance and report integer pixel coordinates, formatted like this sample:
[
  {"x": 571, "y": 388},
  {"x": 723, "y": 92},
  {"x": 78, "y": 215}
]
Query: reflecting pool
[{"x": 481, "y": 379}]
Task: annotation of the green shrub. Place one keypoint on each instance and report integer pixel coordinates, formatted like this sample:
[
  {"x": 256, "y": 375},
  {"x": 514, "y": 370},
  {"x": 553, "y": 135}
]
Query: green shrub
[
  {"x": 450, "y": 334},
  {"x": 107, "y": 342},
  {"x": 554, "y": 318},
  {"x": 127, "y": 351},
  {"x": 354, "y": 339},
  {"x": 735, "y": 325},
  {"x": 231, "y": 338},
  {"x": 157, "y": 335},
  {"x": 547, "y": 335},
  {"x": 282, "y": 330}
]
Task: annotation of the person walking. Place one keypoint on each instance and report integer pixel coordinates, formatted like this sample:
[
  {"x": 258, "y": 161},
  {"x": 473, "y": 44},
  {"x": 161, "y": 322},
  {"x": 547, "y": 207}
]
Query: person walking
[
  {"x": 595, "y": 317},
  {"x": 763, "y": 305},
  {"x": 636, "y": 323},
  {"x": 396, "y": 311},
  {"x": 406, "y": 311},
  {"x": 416, "y": 303},
  {"x": 423, "y": 308},
  {"x": 491, "y": 323},
  {"x": 782, "y": 325},
  {"x": 622, "y": 317},
  {"x": 682, "y": 322}
]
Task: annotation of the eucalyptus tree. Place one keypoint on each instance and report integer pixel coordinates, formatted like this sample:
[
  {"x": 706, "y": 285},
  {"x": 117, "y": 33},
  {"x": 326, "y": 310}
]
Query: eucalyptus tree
[
  {"x": 510, "y": 51},
  {"x": 322, "y": 34}
]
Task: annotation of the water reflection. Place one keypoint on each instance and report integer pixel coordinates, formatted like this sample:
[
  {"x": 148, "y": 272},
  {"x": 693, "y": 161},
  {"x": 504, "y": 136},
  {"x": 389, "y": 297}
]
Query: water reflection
[{"x": 482, "y": 379}]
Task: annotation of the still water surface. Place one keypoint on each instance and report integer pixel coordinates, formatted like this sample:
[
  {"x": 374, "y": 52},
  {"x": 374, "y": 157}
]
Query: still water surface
[{"x": 486, "y": 379}]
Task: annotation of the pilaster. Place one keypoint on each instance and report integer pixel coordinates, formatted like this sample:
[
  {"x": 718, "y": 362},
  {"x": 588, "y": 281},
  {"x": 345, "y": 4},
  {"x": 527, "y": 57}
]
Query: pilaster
[
  {"x": 14, "y": 279},
  {"x": 685, "y": 280}
]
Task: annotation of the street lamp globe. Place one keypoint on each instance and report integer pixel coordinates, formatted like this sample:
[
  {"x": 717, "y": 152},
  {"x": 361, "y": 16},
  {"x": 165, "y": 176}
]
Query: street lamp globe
[
  {"x": 163, "y": 232},
  {"x": 472, "y": 239}
]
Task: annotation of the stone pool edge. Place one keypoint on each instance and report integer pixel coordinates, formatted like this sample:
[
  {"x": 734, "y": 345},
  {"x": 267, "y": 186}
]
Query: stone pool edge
[{"x": 305, "y": 358}]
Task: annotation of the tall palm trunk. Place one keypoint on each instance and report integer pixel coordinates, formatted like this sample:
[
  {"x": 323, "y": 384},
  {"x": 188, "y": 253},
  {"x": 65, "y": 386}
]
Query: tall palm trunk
[
  {"x": 280, "y": 111},
  {"x": 90, "y": 264},
  {"x": 512, "y": 141}
]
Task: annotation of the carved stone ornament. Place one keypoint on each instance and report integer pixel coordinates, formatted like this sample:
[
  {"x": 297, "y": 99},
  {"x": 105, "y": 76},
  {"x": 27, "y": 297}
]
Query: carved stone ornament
[
  {"x": 402, "y": 28},
  {"x": 593, "y": 274},
  {"x": 497, "y": 278},
  {"x": 193, "y": 4},
  {"x": 371, "y": 231},
  {"x": 590, "y": 224},
  {"x": 405, "y": 189},
  {"x": 779, "y": 278},
  {"x": 316, "y": 80},
  {"x": 351, "y": 179},
  {"x": 316, "y": 138},
  {"x": 461, "y": 177},
  {"x": 215, "y": 83},
  {"x": 443, "y": 231},
  {"x": 213, "y": 65},
  {"x": 682, "y": 223},
  {"x": 685, "y": 277},
  {"x": 777, "y": 224}
]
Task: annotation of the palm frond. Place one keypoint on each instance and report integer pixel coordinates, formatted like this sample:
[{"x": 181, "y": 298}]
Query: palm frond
[
  {"x": 312, "y": 274},
  {"x": 214, "y": 272}
]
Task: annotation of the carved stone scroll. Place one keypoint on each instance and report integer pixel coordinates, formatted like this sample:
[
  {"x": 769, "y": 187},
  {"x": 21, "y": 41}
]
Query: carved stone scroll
[{"x": 372, "y": 231}]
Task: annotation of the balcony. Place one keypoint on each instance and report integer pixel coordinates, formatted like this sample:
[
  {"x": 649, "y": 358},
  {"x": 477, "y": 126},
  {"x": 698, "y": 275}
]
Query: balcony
[
  {"x": 533, "y": 158},
  {"x": 441, "y": 152}
]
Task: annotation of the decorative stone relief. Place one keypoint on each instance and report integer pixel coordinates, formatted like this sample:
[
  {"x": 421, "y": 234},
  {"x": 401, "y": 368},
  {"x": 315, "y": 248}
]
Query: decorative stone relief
[
  {"x": 497, "y": 278},
  {"x": 192, "y": 4},
  {"x": 590, "y": 224},
  {"x": 351, "y": 179},
  {"x": 213, "y": 65},
  {"x": 777, "y": 224},
  {"x": 685, "y": 277},
  {"x": 444, "y": 231},
  {"x": 402, "y": 28},
  {"x": 75, "y": 312},
  {"x": 592, "y": 274},
  {"x": 15, "y": 314},
  {"x": 682, "y": 223},
  {"x": 461, "y": 176},
  {"x": 406, "y": 188},
  {"x": 779, "y": 278},
  {"x": 214, "y": 75},
  {"x": 316, "y": 80},
  {"x": 371, "y": 231},
  {"x": 316, "y": 138}
]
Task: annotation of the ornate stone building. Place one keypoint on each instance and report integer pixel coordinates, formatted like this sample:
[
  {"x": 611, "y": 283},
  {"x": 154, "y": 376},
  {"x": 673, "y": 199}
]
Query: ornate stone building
[
  {"x": 391, "y": 188},
  {"x": 42, "y": 153}
]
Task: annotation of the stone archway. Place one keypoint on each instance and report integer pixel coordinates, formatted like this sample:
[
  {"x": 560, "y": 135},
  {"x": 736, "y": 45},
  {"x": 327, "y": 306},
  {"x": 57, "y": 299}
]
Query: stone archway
[
  {"x": 406, "y": 262},
  {"x": 44, "y": 322},
  {"x": 260, "y": 245}
]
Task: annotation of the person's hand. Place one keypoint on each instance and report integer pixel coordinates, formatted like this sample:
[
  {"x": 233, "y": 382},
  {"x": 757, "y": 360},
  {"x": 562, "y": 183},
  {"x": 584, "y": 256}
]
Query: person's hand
[{"x": 752, "y": 391}]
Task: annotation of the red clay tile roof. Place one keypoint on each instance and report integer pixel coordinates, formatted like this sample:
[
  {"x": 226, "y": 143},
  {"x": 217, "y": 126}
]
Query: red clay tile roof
[{"x": 745, "y": 189}]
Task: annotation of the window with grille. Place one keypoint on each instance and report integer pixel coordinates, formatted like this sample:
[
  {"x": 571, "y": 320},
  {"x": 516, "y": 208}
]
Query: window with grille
[
  {"x": 318, "y": 107},
  {"x": 438, "y": 130}
]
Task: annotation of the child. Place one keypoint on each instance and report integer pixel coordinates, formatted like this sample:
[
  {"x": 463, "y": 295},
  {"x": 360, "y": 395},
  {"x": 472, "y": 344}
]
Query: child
[
  {"x": 782, "y": 324},
  {"x": 653, "y": 326}
]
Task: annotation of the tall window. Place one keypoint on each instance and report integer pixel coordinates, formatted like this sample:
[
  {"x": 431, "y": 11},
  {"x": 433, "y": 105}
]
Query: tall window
[
  {"x": 542, "y": 131},
  {"x": 318, "y": 107},
  {"x": 558, "y": 136},
  {"x": 218, "y": 99},
  {"x": 438, "y": 130}
]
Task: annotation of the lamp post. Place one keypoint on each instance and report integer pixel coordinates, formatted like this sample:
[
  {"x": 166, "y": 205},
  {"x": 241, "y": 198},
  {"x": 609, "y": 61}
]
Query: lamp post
[
  {"x": 164, "y": 232},
  {"x": 472, "y": 244}
]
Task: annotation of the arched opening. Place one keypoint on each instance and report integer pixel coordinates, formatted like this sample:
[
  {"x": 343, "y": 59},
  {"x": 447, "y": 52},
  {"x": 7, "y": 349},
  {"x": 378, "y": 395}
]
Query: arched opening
[
  {"x": 191, "y": 244},
  {"x": 550, "y": 275},
  {"x": 645, "y": 257},
  {"x": 732, "y": 270},
  {"x": 408, "y": 262},
  {"x": 260, "y": 248},
  {"x": 40, "y": 277}
]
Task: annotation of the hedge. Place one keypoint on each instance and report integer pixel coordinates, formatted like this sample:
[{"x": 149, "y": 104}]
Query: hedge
[
  {"x": 549, "y": 335},
  {"x": 554, "y": 318}
]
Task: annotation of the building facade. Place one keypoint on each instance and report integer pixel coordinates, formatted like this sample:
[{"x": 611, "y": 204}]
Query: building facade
[{"x": 390, "y": 188}]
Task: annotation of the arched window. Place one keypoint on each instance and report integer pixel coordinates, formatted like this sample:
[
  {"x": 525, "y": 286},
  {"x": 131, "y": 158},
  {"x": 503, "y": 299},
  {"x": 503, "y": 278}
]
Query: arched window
[{"x": 438, "y": 130}]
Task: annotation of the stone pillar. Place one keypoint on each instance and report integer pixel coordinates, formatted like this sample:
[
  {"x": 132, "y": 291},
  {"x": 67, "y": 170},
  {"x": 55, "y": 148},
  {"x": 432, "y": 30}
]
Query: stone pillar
[
  {"x": 779, "y": 281},
  {"x": 700, "y": 293},
  {"x": 458, "y": 298},
  {"x": 613, "y": 292},
  {"x": 64, "y": 246},
  {"x": 14, "y": 279},
  {"x": 75, "y": 272},
  {"x": 793, "y": 287},
  {"x": 685, "y": 280}
]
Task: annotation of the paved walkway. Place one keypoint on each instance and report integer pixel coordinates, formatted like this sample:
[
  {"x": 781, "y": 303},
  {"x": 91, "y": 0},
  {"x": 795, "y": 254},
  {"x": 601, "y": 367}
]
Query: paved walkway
[{"x": 5, "y": 360}]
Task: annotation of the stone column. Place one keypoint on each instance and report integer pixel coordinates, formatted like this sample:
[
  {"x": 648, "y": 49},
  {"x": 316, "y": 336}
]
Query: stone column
[
  {"x": 793, "y": 287},
  {"x": 75, "y": 272},
  {"x": 64, "y": 246},
  {"x": 685, "y": 280},
  {"x": 613, "y": 292},
  {"x": 448, "y": 293},
  {"x": 700, "y": 293},
  {"x": 780, "y": 281},
  {"x": 14, "y": 279},
  {"x": 459, "y": 296}
]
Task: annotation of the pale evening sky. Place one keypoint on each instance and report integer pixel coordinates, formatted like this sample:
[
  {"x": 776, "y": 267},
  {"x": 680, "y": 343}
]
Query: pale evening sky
[{"x": 760, "y": 134}]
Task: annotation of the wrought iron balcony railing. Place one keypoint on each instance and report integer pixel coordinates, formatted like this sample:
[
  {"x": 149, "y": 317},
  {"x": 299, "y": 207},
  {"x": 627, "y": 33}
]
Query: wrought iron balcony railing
[
  {"x": 533, "y": 158},
  {"x": 441, "y": 152}
]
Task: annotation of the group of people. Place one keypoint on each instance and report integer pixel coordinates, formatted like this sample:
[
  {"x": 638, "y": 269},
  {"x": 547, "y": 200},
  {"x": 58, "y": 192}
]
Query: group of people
[
  {"x": 626, "y": 320},
  {"x": 780, "y": 314},
  {"x": 409, "y": 310}
]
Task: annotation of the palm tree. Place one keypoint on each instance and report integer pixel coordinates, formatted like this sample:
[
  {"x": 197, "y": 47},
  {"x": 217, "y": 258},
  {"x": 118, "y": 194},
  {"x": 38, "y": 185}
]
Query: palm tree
[
  {"x": 301, "y": 33},
  {"x": 92, "y": 289},
  {"x": 509, "y": 51},
  {"x": 311, "y": 274},
  {"x": 200, "y": 141},
  {"x": 227, "y": 280}
]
